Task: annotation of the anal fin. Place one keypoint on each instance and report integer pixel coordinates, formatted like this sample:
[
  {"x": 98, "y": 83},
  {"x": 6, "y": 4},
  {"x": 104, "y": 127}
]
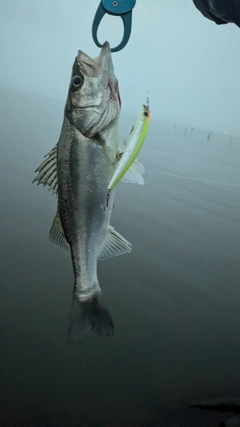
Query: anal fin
[{"x": 114, "y": 245}]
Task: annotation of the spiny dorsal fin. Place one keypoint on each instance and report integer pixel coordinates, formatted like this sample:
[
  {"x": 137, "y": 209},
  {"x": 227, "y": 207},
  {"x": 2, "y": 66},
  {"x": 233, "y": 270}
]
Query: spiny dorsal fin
[
  {"x": 134, "y": 173},
  {"x": 47, "y": 171},
  {"x": 114, "y": 245},
  {"x": 56, "y": 234}
]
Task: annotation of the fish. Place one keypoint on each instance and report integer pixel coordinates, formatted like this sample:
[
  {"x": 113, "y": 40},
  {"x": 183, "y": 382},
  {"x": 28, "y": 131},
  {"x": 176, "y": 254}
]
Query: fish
[{"x": 78, "y": 170}]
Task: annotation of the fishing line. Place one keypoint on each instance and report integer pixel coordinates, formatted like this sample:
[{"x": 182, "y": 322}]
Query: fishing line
[{"x": 193, "y": 179}]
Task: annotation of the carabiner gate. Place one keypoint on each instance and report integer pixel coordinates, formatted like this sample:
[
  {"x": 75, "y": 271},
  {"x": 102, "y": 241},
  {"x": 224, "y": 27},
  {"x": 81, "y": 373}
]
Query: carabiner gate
[{"x": 122, "y": 8}]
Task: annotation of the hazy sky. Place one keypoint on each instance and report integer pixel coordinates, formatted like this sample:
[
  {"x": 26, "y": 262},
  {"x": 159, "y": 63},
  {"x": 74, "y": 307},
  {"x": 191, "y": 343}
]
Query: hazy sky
[{"x": 189, "y": 65}]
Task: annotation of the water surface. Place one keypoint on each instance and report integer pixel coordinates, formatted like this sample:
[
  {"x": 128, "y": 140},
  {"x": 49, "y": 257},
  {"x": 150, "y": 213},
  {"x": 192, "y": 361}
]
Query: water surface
[{"x": 175, "y": 300}]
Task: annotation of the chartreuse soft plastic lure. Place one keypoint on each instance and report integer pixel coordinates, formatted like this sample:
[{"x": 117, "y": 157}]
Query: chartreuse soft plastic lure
[{"x": 133, "y": 146}]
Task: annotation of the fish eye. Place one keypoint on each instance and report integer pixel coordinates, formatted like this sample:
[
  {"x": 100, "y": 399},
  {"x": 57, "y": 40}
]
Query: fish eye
[
  {"x": 77, "y": 81},
  {"x": 145, "y": 113}
]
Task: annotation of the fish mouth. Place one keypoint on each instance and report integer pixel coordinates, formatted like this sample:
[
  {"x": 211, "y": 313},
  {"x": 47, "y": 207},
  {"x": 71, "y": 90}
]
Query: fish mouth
[
  {"x": 101, "y": 64},
  {"x": 101, "y": 67},
  {"x": 105, "y": 59},
  {"x": 97, "y": 103}
]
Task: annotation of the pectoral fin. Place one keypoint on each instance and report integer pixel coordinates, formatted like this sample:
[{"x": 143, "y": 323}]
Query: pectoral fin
[
  {"x": 114, "y": 245},
  {"x": 134, "y": 173},
  {"x": 56, "y": 234},
  {"x": 47, "y": 171}
]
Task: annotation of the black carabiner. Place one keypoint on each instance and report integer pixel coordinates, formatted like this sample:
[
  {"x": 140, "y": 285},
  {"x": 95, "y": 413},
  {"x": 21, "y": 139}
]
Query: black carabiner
[{"x": 122, "y": 8}]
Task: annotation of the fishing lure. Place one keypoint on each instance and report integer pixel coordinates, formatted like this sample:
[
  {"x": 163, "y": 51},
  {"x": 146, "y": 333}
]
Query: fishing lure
[{"x": 133, "y": 146}]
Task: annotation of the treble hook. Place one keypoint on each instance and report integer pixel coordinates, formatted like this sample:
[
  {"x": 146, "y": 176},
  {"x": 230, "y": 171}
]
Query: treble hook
[{"x": 122, "y": 8}]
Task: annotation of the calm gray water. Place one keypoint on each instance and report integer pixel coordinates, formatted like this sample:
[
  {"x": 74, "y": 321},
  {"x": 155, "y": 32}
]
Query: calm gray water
[{"x": 175, "y": 300}]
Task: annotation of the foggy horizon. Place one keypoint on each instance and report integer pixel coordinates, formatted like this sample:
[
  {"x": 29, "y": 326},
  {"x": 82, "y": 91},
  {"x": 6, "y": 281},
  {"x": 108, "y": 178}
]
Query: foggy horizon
[
  {"x": 186, "y": 64},
  {"x": 131, "y": 117}
]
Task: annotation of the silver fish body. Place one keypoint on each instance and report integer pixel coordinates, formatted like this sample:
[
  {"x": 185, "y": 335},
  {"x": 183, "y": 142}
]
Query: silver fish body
[
  {"x": 79, "y": 170},
  {"x": 84, "y": 171}
]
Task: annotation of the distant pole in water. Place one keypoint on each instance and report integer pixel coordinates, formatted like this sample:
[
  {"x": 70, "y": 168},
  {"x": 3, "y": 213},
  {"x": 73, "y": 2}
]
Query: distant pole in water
[
  {"x": 231, "y": 140},
  {"x": 185, "y": 132},
  {"x": 148, "y": 100},
  {"x": 209, "y": 136},
  {"x": 192, "y": 130}
]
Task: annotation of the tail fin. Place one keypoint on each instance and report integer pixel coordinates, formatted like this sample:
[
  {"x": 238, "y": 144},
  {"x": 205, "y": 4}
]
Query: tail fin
[{"x": 88, "y": 316}]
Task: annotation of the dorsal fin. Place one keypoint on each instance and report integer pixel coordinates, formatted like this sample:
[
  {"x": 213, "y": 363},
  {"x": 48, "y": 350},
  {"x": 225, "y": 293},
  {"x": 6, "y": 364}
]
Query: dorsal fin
[
  {"x": 47, "y": 171},
  {"x": 56, "y": 234}
]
